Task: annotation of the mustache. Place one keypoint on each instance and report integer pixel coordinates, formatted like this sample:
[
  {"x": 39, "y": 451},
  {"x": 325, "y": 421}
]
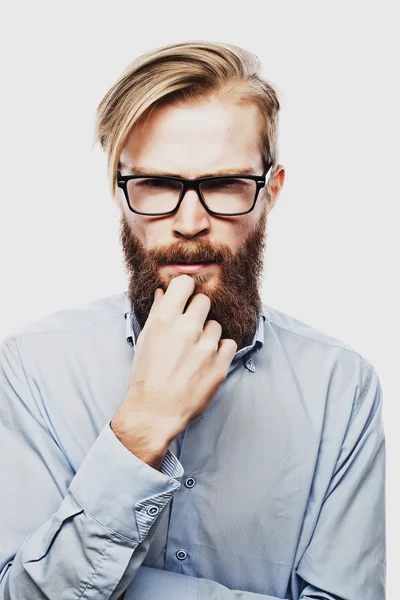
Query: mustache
[{"x": 193, "y": 252}]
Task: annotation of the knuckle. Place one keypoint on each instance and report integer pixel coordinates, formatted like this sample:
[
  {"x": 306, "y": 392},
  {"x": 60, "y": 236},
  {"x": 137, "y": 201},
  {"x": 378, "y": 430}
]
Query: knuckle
[
  {"x": 220, "y": 375},
  {"x": 203, "y": 298},
  {"x": 214, "y": 325},
  {"x": 190, "y": 329},
  {"x": 208, "y": 345},
  {"x": 160, "y": 320},
  {"x": 230, "y": 345}
]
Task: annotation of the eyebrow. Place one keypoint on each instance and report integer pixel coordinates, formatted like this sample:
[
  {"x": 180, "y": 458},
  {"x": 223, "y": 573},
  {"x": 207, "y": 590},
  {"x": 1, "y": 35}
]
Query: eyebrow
[{"x": 152, "y": 171}]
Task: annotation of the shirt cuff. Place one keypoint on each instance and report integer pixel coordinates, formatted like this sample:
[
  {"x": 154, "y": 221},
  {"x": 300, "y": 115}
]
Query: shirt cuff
[{"x": 122, "y": 492}]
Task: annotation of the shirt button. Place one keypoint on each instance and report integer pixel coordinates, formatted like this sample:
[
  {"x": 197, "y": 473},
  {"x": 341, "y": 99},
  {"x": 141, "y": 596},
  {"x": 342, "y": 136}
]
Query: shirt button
[
  {"x": 153, "y": 510},
  {"x": 190, "y": 482},
  {"x": 181, "y": 554}
]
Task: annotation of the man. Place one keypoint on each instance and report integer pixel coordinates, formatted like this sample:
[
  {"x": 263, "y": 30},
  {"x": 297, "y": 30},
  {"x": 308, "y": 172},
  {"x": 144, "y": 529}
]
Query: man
[{"x": 185, "y": 440}]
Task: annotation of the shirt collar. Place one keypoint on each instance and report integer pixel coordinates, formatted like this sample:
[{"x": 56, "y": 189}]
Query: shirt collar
[{"x": 133, "y": 330}]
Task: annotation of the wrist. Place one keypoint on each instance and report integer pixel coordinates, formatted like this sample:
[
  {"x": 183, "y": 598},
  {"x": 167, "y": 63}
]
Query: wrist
[{"x": 147, "y": 444}]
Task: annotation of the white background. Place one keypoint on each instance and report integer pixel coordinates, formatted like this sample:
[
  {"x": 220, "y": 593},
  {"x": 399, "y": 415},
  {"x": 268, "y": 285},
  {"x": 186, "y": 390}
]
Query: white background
[{"x": 333, "y": 245}]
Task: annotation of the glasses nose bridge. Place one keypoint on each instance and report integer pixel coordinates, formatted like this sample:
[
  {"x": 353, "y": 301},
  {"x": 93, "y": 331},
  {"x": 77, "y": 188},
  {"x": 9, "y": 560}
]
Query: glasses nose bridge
[
  {"x": 194, "y": 210},
  {"x": 190, "y": 184}
]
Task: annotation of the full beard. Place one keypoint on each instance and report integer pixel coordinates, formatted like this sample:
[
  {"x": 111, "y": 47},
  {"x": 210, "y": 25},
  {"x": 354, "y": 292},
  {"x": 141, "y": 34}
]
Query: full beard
[{"x": 235, "y": 296}]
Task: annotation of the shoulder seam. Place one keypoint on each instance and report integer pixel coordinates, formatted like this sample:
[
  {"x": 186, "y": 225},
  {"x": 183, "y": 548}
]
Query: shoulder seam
[
  {"x": 18, "y": 357},
  {"x": 332, "y": 345}
]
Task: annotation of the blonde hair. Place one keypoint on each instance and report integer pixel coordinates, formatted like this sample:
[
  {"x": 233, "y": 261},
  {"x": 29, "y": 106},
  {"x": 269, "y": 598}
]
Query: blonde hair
[{"x": 181, "y": 73}]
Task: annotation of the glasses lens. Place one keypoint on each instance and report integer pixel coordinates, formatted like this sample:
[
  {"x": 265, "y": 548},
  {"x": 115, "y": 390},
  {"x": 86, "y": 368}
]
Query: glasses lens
[
  {"x": 152, "y": 195},
  {"x": 222, "y": 195},
  {"x": 229, "y": 196}
]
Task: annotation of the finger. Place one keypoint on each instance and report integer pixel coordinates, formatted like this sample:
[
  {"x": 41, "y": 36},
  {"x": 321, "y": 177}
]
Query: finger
[
  {"x": 226, "y": 351},
  {"x": 198, "y": 309},
  {"x": 175, "y": 298},
  {"x": 158, "y": 294},
  {"x": 213, "y": 331}
]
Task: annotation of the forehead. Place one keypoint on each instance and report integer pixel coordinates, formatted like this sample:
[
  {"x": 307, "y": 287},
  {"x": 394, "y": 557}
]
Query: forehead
[{"x": 190, "y": 139}]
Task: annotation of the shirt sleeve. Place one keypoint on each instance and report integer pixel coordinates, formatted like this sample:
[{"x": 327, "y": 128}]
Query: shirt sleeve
[
  {"x": 73, "y": 535},
  {"x": 347, "y": 553},
  {"x": 346, "y": 556}
]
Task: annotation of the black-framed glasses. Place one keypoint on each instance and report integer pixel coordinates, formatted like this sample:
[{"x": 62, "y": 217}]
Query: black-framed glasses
[{"x": 223, "y": 195}]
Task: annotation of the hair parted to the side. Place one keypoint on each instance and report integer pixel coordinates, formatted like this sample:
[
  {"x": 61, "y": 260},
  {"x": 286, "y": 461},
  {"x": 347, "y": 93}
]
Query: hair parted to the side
[{"x": 185, "y": 72}]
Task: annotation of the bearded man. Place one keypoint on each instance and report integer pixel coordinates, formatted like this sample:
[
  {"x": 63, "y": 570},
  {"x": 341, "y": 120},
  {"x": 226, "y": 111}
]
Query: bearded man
[{"x": 184, "y": 439}]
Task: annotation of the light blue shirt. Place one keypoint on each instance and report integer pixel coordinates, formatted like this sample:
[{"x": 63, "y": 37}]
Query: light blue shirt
[{"x": 278, "y": 490}]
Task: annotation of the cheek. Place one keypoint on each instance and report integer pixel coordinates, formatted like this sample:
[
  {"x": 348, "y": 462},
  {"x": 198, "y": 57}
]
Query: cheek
[
  {"x": 238, "y": 234},
  {"x": 151, "y": 233},
  {"x": 135, "y": 225}
]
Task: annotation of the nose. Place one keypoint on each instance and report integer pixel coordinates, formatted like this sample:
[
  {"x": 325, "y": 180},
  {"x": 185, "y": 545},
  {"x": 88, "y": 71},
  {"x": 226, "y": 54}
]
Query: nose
[{"x": 191, "y": 219}]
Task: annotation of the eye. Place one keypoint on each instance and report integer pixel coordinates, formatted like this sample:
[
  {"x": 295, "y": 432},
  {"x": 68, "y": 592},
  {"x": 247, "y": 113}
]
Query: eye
[
  {"x": 218, "y": 183},
  {"x": 155, "y": 183},
  {"x": 162, "y": 185},
  {"x": 229, "y": 182}
]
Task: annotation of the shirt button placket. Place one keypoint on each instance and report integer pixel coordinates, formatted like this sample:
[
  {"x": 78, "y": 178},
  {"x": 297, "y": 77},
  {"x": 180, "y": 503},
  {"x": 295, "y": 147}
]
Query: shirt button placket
[{"x": 189, "y": 483}]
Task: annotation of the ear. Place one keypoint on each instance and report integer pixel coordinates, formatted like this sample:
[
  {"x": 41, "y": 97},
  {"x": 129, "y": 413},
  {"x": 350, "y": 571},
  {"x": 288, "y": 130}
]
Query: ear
[{"x": 276, "y": 184}]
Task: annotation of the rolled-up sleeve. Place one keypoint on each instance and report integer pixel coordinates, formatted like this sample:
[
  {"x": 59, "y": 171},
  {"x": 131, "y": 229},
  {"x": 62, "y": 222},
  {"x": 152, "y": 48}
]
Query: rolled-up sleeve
[{"x": 65, "y": 534}]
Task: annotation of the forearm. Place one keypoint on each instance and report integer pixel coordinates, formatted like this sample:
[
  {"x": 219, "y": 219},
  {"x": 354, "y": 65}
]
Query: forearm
[
  {"x": 150, "y": 583},
  {"x": 79, "y": 555},
  {"x": 94, "y": 544}
]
